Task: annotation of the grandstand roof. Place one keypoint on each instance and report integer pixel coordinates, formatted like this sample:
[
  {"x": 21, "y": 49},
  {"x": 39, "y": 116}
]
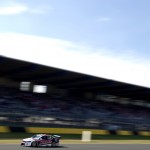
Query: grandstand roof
[{"x": 19, "y": 70}]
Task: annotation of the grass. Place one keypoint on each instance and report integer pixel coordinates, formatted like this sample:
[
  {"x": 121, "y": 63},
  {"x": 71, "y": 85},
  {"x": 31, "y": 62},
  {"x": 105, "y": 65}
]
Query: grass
[{"x": 17, "y": 141}]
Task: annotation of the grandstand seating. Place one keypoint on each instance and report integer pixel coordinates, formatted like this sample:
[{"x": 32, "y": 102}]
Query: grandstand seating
[{"x": 18, "y": 106}]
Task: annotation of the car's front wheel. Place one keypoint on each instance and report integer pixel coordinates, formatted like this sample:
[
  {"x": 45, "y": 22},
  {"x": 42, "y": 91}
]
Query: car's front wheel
[{"x": 33, "y": 144}]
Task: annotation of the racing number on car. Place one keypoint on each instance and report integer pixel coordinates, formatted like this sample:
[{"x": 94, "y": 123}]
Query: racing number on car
[{"x": 43, "y": 142}]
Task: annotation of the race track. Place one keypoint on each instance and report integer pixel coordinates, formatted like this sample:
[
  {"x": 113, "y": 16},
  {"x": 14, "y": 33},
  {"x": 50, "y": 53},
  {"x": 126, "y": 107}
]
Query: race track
[{"x": 82, "y": 147}]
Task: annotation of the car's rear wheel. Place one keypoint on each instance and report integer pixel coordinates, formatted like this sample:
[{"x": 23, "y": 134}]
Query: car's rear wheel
[
  {"x": 53, "y": 144},
  {"x": 34, "y": 144}
]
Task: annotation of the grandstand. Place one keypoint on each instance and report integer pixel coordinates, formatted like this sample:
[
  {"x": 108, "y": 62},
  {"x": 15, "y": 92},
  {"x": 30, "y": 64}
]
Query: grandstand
[{"x": 69, "y": 99}]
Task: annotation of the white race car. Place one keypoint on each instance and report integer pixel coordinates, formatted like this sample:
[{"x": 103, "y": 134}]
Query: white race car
[{"x": 41, "y": 140}]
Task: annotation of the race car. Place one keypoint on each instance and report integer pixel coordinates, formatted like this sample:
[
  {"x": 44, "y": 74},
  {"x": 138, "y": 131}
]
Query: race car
[{"x": 41, "y": 140}]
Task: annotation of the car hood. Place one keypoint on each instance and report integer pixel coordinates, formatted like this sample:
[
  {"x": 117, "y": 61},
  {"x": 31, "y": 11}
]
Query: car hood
[{"x": 28, "y": 139}]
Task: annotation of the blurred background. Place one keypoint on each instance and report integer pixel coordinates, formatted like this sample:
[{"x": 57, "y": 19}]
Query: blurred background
[
  {"x": 75, "y": 65},
  {"x": 39, "y": 99}
]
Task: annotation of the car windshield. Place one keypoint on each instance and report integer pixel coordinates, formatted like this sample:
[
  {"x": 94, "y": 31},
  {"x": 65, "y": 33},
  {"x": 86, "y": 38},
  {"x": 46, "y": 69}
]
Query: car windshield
[{"x": 36, "y": 137}]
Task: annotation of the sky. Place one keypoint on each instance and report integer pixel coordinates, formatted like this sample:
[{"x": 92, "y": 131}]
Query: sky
[{"x": 104, "y": 38}]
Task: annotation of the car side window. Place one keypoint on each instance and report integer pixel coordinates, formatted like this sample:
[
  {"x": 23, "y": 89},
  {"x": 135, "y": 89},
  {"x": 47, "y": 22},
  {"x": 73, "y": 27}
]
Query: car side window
[
  {"x": 48, "y": 137},
  {"x": 44, "y": 137}
]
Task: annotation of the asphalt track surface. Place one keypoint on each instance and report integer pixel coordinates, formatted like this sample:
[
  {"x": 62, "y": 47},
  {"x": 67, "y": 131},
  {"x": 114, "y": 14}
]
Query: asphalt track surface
[{"x": 81, "y": 147}]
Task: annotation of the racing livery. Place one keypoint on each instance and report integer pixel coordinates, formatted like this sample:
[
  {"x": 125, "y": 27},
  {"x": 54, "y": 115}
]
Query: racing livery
[{"x": 41, "y": 140}]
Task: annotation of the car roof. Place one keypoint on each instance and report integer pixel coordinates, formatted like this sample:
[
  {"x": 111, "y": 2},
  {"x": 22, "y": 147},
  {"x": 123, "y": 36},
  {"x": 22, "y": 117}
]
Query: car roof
[{"x": 42, "y": 134}]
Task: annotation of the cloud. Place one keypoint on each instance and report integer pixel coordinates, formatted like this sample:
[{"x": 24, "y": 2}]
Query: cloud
[
  {"x": 102, "y": 19},
  {"x": 12, "y": 10},
  {"x": 40, "y": 9},
  {"x": 72, "y": 56},
  {"x": 18, "y": 8}
]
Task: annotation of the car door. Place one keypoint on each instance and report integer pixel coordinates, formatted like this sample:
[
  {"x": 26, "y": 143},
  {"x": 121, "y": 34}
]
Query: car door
[
  {"x": 43, "y": 140},
  {"x": 49, "y": 139}
]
